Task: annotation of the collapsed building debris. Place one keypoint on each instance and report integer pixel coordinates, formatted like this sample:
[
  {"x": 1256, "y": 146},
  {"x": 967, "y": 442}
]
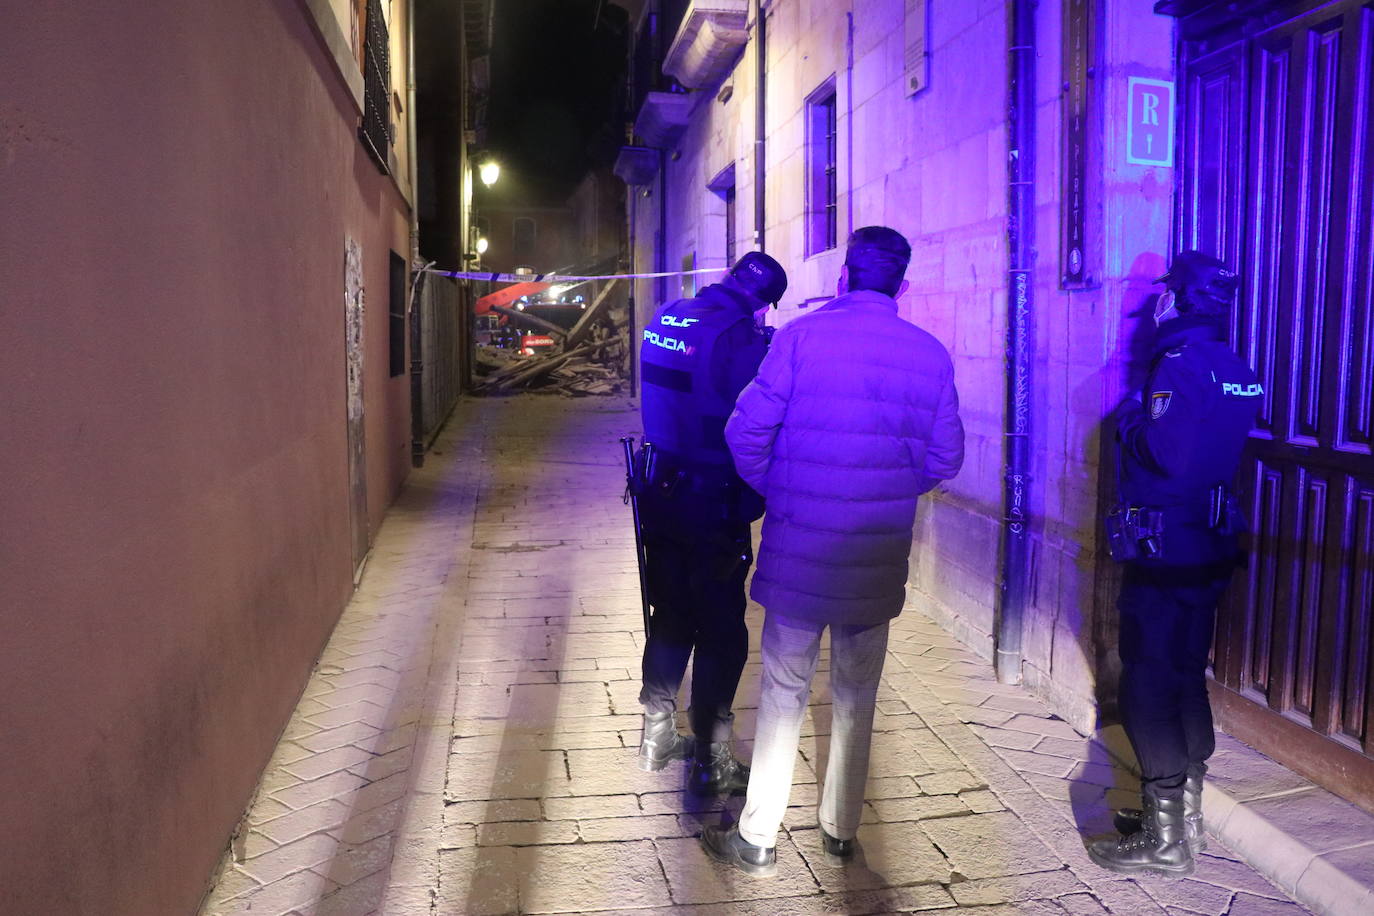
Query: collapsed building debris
[
  {"x": 591, "y": 358},
  {"x": 532, "y": 321}
]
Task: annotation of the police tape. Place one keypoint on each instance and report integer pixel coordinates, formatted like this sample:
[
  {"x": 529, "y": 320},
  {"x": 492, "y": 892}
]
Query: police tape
[{"x": 562, "y": 278}]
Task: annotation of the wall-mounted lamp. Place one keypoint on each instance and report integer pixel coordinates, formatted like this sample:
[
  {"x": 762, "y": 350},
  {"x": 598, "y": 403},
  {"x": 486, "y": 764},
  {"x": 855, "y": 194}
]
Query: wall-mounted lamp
[
  {"x": 482, "y": 245},
  {"x": 489, "y": 172}
]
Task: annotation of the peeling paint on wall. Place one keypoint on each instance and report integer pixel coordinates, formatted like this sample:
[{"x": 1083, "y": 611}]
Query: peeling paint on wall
[{"x": 353, "y": 354}]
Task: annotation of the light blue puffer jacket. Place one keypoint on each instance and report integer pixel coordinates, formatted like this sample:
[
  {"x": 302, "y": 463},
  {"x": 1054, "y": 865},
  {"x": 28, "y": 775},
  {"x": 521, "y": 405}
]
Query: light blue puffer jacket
[{"x": 852, "y": 416}]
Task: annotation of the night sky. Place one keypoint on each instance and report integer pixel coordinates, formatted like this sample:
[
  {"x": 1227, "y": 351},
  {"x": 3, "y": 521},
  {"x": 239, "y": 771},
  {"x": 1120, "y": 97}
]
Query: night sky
[{"x": 556, "y": 93}]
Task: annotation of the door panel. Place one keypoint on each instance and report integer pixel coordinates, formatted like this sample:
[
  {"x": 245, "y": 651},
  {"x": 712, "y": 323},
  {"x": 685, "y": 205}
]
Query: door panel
[
  {"x": 1258, "y": 316},
  {"x": 1355, "y": 344},
  {"x": 1213, "y": 140},
  {"x": 1318, "y": 60},
  {"x": 1277, "y": 176}
]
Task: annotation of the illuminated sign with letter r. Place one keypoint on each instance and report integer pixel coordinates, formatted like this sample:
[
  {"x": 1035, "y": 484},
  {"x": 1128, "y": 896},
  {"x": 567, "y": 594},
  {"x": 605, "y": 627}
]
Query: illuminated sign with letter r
[{"x": 1150, "y": 122}]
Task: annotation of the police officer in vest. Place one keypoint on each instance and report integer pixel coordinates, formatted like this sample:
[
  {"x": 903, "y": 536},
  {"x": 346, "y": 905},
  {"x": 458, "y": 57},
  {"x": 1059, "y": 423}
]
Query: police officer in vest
[
  {"x": 696, "y": 356},
  {"x": 1175, "y": 528}
]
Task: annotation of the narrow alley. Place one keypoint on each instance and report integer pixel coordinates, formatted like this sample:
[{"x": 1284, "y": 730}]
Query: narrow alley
[
  {"x": 466, "y": 744},
  {"x": 321, "y": 323}
]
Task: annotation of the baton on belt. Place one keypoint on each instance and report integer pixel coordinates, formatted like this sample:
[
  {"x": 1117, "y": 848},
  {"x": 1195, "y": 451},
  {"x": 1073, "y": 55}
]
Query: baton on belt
[{"x": 632, "y": 497}]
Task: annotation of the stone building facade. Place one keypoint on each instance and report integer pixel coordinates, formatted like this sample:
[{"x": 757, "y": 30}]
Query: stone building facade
[
  {"x": 933, "y": 166},
  {"x": 896, "y": 112}
]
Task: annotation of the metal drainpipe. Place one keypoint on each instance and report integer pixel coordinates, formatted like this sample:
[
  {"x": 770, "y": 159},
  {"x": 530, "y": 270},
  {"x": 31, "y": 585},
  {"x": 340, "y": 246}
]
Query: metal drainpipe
[
  {"x": 632, "y": 191},
  {"x": 412, "y": 156},
  {"x": 417, "y": 373},
  {"x": 849, "y": 131},
  {"x": 1020, "y": 338},
  {"x": 661, "y": 249},
  {"x": 417, "y": 369},
  {"x": 760, "y": 110}
]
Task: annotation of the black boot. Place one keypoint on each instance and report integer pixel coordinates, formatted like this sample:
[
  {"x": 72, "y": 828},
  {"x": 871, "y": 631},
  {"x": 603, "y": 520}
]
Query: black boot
[
  {"x": 715, "y": 771},
  {"x": 661, "y": 742},
  {"x": 729, "y": 847},
  {"x": 1128, "y": 819},
  {"x": 838, "y": 852},
  {"x": 1160, "y": 847}
]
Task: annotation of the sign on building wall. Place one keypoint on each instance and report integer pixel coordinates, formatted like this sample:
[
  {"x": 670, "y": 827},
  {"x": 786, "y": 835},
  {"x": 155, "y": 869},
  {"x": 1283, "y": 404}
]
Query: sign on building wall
[
  {"x": 1150, "y": 122},
  {"x": 1080, "y": 102},
  {"x": 916, "y": 62}
]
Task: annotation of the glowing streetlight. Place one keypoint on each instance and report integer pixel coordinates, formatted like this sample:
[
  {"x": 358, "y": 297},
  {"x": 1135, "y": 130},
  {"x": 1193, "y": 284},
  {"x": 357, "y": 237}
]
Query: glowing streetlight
[
  {"x": 482, "y": 245},
  {"x": 489, "y": 171}
]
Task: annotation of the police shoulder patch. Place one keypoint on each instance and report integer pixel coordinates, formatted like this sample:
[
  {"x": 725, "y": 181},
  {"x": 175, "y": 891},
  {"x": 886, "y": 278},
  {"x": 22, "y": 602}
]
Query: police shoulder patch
[{"x": 1159, "y": 403}]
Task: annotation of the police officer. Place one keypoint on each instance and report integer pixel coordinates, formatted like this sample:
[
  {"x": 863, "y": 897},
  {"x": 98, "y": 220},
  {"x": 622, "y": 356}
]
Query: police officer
[
  {"x": 696, "y": 356},
  {"x": 1180, "y": 447}
]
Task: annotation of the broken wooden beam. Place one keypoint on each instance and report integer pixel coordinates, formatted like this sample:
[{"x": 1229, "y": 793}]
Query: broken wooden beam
[
  {"x": 589, "y": 317},
  {"x": 533, "y": 321}
]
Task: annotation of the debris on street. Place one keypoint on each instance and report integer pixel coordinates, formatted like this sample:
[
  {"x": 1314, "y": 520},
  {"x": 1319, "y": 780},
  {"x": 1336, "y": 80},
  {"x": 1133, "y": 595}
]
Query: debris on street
[{"x": 591, "y": 358}]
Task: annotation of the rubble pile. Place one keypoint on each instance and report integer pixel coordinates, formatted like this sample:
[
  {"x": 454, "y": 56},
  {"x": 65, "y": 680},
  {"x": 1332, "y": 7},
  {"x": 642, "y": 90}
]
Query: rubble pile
[{"x": 589, "y": 359}]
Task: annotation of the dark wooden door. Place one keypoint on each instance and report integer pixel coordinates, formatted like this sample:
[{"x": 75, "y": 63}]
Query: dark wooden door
[{"x": 1276, "y": 175}]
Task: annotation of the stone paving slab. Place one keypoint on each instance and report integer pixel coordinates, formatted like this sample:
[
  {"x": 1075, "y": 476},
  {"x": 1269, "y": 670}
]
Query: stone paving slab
[{"x": 467, "y": 743}]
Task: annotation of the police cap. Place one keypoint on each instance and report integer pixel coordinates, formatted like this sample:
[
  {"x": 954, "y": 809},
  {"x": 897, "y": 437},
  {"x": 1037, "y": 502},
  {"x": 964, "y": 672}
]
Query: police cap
[
  {"x": 761, "y": 276},
  {"x": 1205, "y": 281}
]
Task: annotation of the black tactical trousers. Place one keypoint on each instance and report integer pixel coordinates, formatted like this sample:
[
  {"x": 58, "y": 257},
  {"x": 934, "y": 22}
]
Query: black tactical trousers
[
  {"x": 1167, "y": 618},
  {"x": 696, "y": 585}
]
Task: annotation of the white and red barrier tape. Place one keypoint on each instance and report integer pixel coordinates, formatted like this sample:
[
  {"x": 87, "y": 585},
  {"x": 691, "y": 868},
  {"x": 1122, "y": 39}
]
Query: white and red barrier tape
[{"x": 561, "y": 278}]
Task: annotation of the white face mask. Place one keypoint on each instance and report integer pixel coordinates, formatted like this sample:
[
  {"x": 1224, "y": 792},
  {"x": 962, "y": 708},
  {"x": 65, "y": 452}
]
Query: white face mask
[{"x": 1166, "y": 307}]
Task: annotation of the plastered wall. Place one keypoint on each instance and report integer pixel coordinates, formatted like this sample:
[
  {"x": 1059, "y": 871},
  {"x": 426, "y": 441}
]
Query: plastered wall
[{"x": 178, "y": 181}]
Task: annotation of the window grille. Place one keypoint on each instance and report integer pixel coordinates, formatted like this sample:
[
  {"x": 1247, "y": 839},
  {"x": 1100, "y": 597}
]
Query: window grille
[
  {"x": 730, "y": 225},
  {"x": 375, "y": 131},
  {"x": 822, "y": 170}
]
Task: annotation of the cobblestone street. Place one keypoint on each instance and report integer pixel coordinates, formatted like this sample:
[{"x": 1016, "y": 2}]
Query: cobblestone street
[{"x": 467, "y": 742}]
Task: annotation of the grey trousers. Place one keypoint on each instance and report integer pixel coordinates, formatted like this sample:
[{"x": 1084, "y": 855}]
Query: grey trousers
[{"x": 791, "y": 648}]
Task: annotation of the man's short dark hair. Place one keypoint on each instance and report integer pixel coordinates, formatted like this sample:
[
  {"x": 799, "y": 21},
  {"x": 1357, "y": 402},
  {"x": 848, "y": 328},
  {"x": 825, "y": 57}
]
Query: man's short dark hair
[{"x": 877, "y": 258}]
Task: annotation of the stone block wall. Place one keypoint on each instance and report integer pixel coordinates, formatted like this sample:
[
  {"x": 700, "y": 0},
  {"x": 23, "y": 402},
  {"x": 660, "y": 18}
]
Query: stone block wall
[{"x": 933, "y": 167}]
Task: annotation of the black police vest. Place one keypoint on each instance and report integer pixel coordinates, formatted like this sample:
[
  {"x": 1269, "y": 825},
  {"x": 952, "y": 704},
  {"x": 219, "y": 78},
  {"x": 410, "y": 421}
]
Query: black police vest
[
  {"x": 683, "y": 413},
  {"x": 1225, "y": 395}
]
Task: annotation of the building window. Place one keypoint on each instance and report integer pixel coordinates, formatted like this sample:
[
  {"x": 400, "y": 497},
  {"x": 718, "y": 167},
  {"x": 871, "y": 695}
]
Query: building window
[
  {"x": 723, "y": 186},
  {"x": 689, "y": 277},
  {"x": 822, "y": 160},
  {"x": 523, "y": 234},
  {"x": 375, "y": 131},
  {"x": 397, "y": 309},
  {"x": 730, "y": 225}
]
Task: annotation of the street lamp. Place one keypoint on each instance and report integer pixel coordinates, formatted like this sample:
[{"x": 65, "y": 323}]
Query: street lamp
[
  {"x": 489, "y": 171},
  {"x": 482, "y": 245}
]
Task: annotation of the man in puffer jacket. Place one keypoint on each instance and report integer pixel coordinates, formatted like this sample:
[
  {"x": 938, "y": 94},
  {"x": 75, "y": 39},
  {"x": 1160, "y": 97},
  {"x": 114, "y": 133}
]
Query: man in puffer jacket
[{"x": 840, "y": 437}]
